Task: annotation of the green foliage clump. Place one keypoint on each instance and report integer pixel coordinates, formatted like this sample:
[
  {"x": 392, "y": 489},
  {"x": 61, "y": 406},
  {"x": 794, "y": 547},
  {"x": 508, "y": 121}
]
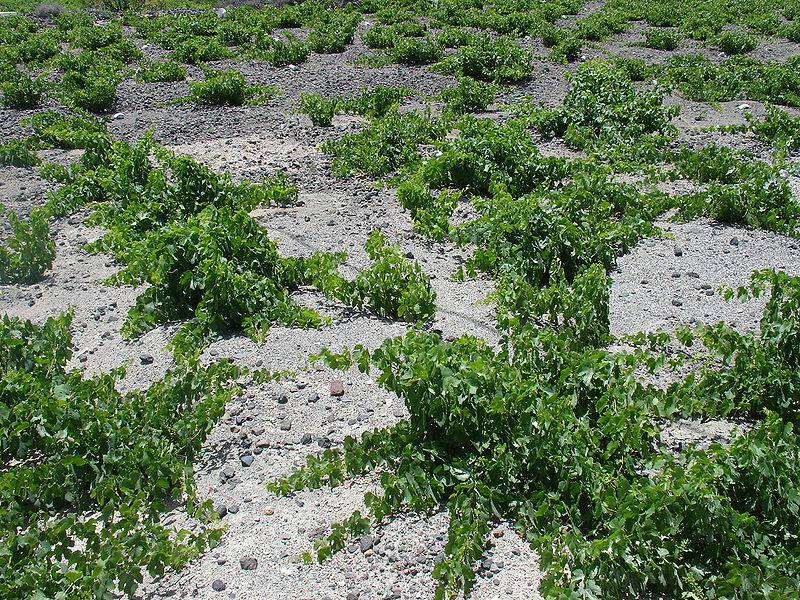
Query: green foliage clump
[
  {"x": 633, "y": 68},
  {"x": 413, "y": 51},
  {"x": 18, "y": 153},
  {"x": 198, "y": 50},
  {"x": 699, "y": 78},
  {"x": 94, "y": 37},
  {"x": 760, "y": 371},
  {"x": 222, "y": 273},
  {"x": 734, "y": 42},
  {"x": 228, "y": 88},
  {"x": 87, "y": 470},
  {"x": 334, "y": 33},
  {"x": 29, "y": 251},
  {"x": 152, "y": 71},
  {"x": 392, "y": 287},
  {"x": 374, "y": 102},
  {"x": 716, "y": 163},
  {"x": 37, "y": 47},
  {"x": 778, "y": 128},
  {"x": 370, "y": 102},
  {"x": 90, "y": 81},
  {"x": 381, "y": 38},
  {"x": 497, "y": 60},
  {"x": 468, "y": 96},
  {"x": 191, "y": 238},
  {"x": 22, "y": 91},
  {"x": 560, "y": 437},
  {"x": 488, "y": 157},
  {"x": 280, "y": 53},
  {"x": 763, "y": 200},
  {"x": 548, "y": 236},
  {"x": 661, "y": 39},
  {"x": 318, "y": 109},
  {"x": 58, "y": 131},
  {"x": 599, "y": 25},
  {"x": 429, "y": 213},
  {"x": 385, "y": 145},
  {"x": 386, "y": 37},
  {"x": 567, "y": 50},
  {"x": 454, "y": 37},
  {"x": 791, "y": 31},
  {"x": 603, "y": 110}
]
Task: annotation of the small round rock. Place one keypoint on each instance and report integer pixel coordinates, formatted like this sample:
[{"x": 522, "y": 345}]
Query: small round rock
[
  {"x": 248, "y": 563},
  {"x": 218, "y": 585}
]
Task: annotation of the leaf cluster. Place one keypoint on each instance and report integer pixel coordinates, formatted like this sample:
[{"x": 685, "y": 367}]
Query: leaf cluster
[
  {"x": 370, "y": 102},
  {"x": 558, "y": 436},
  {"x": 228, "y": 88},
  {"x": 29, "y": 251},
  {"x": 86, "y": 469}
]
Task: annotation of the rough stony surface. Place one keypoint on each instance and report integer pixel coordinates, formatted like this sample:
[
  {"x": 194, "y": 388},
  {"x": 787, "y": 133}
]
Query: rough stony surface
[{"x": 270, "y": 428}]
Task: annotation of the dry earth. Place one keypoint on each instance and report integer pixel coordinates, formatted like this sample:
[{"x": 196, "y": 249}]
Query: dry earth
[{"x": 654, "y": 288}]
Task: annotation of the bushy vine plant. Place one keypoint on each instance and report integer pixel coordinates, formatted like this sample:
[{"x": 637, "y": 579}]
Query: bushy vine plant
[
  {"x": 87, "y": 470},
  {"x": 559, "y": 436}
]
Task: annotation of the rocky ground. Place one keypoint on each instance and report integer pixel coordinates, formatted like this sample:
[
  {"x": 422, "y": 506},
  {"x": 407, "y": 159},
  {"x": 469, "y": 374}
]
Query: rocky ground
[{"x": 663, "y": 282}]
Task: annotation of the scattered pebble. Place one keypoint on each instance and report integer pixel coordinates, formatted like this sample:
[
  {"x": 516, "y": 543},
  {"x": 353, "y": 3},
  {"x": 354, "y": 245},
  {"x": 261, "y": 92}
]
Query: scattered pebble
[{"x": 337, "y": 387}]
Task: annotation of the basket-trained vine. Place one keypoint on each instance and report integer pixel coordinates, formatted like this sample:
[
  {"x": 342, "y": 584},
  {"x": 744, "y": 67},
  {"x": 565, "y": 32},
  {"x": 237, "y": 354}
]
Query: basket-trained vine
[
  {"x": 559, "y": 436},
  {"x": 29, "y": 251},
  {"x": 187, "y": 232},
  {"x": 86, "y": 470}
]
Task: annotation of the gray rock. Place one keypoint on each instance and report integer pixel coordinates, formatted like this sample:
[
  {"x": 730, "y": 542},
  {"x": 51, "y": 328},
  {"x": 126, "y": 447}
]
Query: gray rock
[
  {"x": 218, "y": 585},
  {"x": 146, "y": 359},
  {"x": 734, "y": 241},
  {"x": 366, "y": 542},
  {"x": 313, "y": 398},
  {"x": 286, "y": 425},
  {"x": 306, "y": 439},
  {"x": 282, "y": 396},
  {"x": 248, "y": 563},
  {"x": 222, "y": 510},
  {"x": 676, "y": 302},
  {"x": 247, "y": 460},
  {"x": 227, "y": 472},
  {"x": 678, "y": 251},
  {"x": 233, "y": 509}
]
